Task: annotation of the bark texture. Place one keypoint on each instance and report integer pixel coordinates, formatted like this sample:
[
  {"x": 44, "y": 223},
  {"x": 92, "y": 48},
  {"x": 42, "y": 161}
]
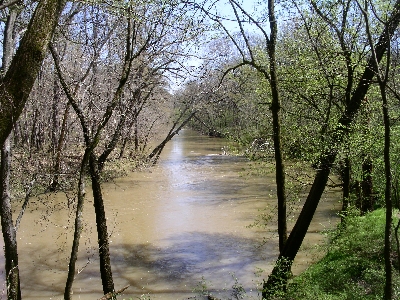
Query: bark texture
[
  {"x": 21, "y": 75},
  {"x": 7, "y": 226}
]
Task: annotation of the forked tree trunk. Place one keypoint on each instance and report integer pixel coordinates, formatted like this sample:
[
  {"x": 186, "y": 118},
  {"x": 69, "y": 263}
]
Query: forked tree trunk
[{"x": 91, "y": 141}]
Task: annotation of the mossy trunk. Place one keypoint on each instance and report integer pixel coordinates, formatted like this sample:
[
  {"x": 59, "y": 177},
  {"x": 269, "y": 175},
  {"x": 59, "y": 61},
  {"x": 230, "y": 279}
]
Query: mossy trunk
[{"x": 21, "y": 75}]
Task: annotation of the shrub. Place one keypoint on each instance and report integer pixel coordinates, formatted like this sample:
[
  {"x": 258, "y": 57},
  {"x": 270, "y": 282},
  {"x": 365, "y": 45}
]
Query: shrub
[{"x": 353, "y": 267}]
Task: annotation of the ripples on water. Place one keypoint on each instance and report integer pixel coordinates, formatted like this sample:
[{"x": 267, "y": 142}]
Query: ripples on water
[{"x": 184, "y": 221}]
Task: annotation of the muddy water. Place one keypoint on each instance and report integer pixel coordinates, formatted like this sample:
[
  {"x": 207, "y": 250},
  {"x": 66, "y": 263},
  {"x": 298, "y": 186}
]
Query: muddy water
[{"x": 183, "y": 222}]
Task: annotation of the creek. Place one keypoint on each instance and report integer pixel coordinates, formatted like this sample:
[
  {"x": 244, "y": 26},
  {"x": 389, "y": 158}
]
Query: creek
[{"x": 180, "y": 226}]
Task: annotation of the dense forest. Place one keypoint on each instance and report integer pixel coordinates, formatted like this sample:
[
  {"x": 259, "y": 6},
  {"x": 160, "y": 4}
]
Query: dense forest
[{"x": 88, "y": 86}]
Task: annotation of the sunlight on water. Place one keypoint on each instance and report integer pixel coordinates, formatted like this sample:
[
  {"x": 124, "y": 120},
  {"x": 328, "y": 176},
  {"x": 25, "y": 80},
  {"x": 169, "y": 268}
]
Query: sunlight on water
[{"x": 184, "y": 220}]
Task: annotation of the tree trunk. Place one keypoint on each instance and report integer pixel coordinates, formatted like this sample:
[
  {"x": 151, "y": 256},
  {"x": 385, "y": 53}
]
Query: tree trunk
[
  {"x": 388, "y": 200},
  {"x": 78, "y": 227},
  {"x": 21, "y": 75},
  {"x": 57, "y": 163},
  {"x": 91, "y": 142},
  {"x": 123, "y": 146},
  {"x": 382, "y": 80},
  {"x": 7, "y": 226},
  {"x": 345, "y": 174},
  {"x": 367, "y": 202},
  {"x": 112, "y": 144},
  {"x": 157, "y": 150},
  {"x": 101, "y": 221},
  {"x": 276, "y": 121},
  {"x": 54, "y": 115},
  {"x": 136, "y": 133}
]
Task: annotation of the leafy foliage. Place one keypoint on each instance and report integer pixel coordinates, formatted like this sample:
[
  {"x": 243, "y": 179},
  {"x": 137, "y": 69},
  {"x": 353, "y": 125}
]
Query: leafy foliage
[{"x": 353, "y": 267}]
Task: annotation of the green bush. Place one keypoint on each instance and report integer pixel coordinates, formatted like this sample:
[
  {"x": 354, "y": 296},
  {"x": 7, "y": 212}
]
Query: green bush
[{"x": 353, "y": 268}]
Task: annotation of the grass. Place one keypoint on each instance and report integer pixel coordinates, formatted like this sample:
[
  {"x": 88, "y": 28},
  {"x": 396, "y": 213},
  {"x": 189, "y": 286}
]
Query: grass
[{"x": 353, "y": 268}]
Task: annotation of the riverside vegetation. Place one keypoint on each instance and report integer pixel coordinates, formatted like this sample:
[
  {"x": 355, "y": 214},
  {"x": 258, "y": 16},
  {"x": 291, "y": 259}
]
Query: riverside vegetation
[
  {"x": 353, "y": 266},
  {"x": 310, "y": 82}
]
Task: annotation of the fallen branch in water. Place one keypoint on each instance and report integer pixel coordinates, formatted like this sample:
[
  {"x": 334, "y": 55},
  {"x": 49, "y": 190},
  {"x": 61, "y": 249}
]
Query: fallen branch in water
[{"x": 113, "y": 294}]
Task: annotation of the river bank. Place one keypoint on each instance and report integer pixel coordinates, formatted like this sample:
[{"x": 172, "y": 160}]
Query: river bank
[{"x": 353, "y": 267}]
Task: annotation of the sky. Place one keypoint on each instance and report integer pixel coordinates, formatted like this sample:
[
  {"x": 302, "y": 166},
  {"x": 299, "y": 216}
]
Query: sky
[{"x": 223, "y": 9}]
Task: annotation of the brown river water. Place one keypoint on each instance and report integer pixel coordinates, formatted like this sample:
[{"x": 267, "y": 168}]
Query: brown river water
[{"x": 182, "y": 223}]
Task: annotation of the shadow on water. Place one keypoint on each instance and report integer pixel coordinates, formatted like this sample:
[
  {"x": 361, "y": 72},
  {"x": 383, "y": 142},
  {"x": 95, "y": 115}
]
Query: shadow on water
[
  {"x": 171, "y": 228},
  {"x": 164, "y": 273},
  {"x": 176, "y": 270}
]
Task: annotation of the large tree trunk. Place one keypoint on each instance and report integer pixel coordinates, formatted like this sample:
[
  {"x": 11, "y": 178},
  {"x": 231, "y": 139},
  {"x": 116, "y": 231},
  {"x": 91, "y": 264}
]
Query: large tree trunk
[
  {"x": 101, "y": 222},
  {"x": 327, "y": 159},
  {"x": 21, "y": 75}
]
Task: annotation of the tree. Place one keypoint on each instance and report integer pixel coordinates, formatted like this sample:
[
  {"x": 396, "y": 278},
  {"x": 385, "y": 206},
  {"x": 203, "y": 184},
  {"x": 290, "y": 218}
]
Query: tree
[
  {"x": 91, "y": 142},
  {"x": 16, "y": 85},
  {"x": 250, "y": 56},
  {"x": 382, "y": 76},
  {"x": 327, "y": 158},
  {"x": 11, "y": 250},
  {"x": 21, "y": 75},
  {"x": 112, "y": 88}
]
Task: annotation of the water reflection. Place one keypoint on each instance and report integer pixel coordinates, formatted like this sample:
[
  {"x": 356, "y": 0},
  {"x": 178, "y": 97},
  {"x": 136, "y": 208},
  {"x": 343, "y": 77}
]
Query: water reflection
[{"x": 184, "y": 220}]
